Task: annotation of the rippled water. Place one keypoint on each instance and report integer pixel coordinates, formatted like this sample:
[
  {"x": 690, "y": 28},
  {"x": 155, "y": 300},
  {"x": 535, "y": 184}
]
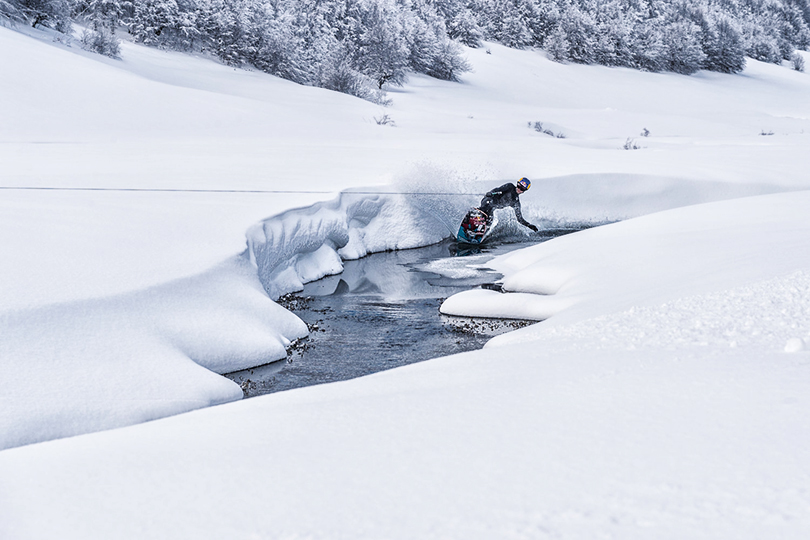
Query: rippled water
[{"x": 382, "y": 312}]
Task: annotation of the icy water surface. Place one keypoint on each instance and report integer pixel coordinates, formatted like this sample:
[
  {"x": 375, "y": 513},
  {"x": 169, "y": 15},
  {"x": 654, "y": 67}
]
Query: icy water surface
[{"x": 382, "y": 312}]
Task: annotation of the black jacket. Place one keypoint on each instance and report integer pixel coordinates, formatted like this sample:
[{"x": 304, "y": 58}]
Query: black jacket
[{"x": 501, "y": 197}]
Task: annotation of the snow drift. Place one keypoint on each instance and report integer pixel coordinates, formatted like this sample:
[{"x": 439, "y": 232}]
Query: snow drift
[
  {"x": 306, "y": 244},
  {"x": 744, "y": 240},
  {"x": 86, "y": 366}
]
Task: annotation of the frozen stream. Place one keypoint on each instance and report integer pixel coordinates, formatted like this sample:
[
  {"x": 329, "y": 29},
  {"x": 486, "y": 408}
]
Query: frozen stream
[{"x": 382, "y": 312}]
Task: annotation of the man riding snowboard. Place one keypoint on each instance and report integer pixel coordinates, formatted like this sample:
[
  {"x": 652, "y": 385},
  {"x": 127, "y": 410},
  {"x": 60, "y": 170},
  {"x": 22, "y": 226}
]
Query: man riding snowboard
[{"x": 506, "y": 195}]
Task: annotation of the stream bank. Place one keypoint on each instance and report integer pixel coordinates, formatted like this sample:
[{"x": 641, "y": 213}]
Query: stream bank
[{"x": 382, "y": 312}]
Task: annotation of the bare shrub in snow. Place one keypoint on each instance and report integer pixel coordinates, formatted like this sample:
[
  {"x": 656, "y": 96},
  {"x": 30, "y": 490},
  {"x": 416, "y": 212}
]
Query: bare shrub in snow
[
  {"x": 797, "y": 61},
  {"x": 766, "y": 133},
  {"x": 645, "y": 132},
  {"x": 102, "y": 42},
  {"x": 385, "y": 120},
  {"x": 448, "y": 62},
  {"x": 538, "y": 127},
  {"x": 630, "y": 144}
]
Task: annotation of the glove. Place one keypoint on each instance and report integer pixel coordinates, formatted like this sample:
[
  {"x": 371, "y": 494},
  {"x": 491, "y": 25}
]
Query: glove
[{"x": 532, "y": 227}]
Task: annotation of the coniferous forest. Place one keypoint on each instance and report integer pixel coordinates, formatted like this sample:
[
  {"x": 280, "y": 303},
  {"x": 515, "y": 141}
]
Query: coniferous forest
[{"x": 361, "y": 46}]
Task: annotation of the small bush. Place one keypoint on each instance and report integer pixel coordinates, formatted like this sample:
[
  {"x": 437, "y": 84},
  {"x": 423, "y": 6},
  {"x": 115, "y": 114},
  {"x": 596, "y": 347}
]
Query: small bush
[
  {"x": 101, "y": 42},
  {"x": 538, "y": 127},
  {"x": 797, "y": 61},
  {"x": 385, "y": 120},
  {"x": 630, "y": 144},
  {"x": 645, "y": 132},
  {"x": 766, "y": 133}
]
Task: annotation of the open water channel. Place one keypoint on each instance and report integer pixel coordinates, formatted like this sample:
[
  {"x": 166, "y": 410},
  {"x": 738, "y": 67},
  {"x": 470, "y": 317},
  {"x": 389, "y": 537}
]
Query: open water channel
[{"x": 382, "y": 312}]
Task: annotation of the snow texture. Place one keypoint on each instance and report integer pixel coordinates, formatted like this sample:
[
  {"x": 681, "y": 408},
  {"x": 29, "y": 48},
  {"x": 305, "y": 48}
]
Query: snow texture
[
  {"x": 99, "y": 364},
  {"x": 303, "y": 245},
  {"x": 663, "y": 396}
]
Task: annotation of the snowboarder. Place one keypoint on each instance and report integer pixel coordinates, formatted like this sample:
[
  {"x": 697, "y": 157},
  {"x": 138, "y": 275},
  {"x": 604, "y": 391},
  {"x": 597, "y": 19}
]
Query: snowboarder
[{"x": 506, "y": 195}]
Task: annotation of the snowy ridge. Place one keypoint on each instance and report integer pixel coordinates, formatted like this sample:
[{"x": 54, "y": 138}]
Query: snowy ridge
[
  {"x": 135, "y": 357},
  {"x": 766, "y": 316},
  {"x": 306, "y": 244}
]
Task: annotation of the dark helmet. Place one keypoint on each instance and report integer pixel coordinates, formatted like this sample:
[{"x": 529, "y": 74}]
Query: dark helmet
[{"x": 524, "y": 184}]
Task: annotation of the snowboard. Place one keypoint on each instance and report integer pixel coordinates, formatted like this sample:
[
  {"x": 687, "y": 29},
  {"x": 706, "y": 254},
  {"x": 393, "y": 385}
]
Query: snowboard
[{"x": 474, "y": 229}]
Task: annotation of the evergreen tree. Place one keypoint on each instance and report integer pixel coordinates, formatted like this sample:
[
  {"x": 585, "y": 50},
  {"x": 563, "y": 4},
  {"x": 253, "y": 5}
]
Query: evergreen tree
[
  {"x": 380, "y": 49},
  {"x": 580, "y": 32},
  {"x": 723, "y": 47},
  {"x": 104, "y": 17},
  {"x": 557, "y": 45},
  {"x": 682, "y": 49},
  {"x": 508, "y": 22},
  {"x": 614, "y": 36},
  {"x": 460, "y": 21},
  {"x": 760, "y": 44},
  {"x": 649, "y": 50},
  {"x": 163, "y": 23}
]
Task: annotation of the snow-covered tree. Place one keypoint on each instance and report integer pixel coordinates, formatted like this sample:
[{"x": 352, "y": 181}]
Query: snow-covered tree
[
  {"x": 722, "y": 44},
  {"x": 797, "y": 61},
  {"x": 648, "y": 45},
  {"x": 162, "y": 23},
  {"x": 10, "y": 12},
  {"x": 448, "y": 62},
  {"x": 760, "y": 44},
  {"x": 379, "y": 47},
  {"x": 614, "y": 35},
  {"x": 580, "y": 33},
  {"x": 557, "y": 45},
  {"x": 361, "y": 46},
  {"x": 54, "y": 14},
  {"x": 509, "y": 22},
  {"x": 682, "y": 48}
]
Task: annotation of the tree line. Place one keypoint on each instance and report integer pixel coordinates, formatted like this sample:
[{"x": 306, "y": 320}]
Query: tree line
[{"x": 361, "y": 46}]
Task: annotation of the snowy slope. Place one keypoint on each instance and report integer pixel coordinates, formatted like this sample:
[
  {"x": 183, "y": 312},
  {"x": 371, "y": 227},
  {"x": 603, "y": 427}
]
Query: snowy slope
[
  {"x": 621, "y": 414},
  {"x": 648, "y": 423}
]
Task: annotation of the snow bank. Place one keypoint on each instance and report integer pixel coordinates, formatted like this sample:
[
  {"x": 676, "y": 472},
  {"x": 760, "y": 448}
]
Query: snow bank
[
  {"x": 758, "y": 318},
  {"x": 647, "y": 260},
  {"x": 306, "y": 244},
  {"x": 85, "y": 366},
  {"x": 637, "y": 421}
]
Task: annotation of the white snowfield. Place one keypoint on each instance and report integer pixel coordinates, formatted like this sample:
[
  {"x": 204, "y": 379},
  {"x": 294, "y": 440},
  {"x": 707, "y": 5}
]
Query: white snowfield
[
  {"x": 665, "y": 396},
  {"x": 662, "y": 257}
]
